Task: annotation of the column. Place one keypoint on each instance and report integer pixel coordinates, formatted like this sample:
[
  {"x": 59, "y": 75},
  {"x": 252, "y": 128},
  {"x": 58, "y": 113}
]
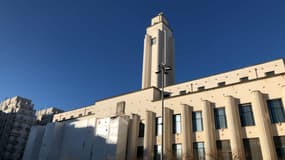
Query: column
[
  {"x": 263, "y": 125},
  {"x": 146, "y": 73},
  {"x": 149, "y": 135},
  {"x": 133, "y": 133},
  {"x": 209, "y": 130},
  {"x": 233, "y": 121},
  {"x": 186, "y": 133},
  {"x": 167, "y": 133}
]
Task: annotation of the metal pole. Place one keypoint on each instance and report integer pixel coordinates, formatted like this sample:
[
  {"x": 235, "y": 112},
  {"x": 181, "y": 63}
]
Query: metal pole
[{"x": 162, "y": 109}]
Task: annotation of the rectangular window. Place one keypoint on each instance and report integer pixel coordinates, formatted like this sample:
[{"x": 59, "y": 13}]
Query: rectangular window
[
  {"x": 220, "y": 118},
  {"x": 120, "y": 110},
  {"x": 80, "y": 115},
  {"x": 199, "y": 150},
  {"x": 224, "y": 150},
  {"x": 201, "y": 88},
  {"x": 197, "y": 121},
  {"x": 166, "y": 94},
  {"x": 276, "y": 111},
  {"x": 243, "y": 79},
  {"x": 177, "y": 151},
  {"x": 221, "y": 84},
  {"x": 280, "y": 146},
  {"x": 252, "y": 149},
  {"x": 158, "y": 126},
  {"x": 153, "y": 41},
  {"x": 246, "y": 115},
  {"x": 140, "y": 153},
  {"x": 269, "y": 74},
  {"x": 141, "y": 130},
  {"x": 176, "y": 123},
  {"x": 157, "y": 152},
  {"x": 182, "y": 92}
]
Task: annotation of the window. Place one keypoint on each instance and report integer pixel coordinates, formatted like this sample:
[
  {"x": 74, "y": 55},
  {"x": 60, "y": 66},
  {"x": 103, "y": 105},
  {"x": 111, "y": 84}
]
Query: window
[
  {"x": 221, "y": 84},
  {"x": 177, "y": 123},
  {"x": 197, "y": 121},
  {"x": 199, "y": 150},
  {"x": 120, "y": 110},
  {"x": 157, "y": 152},
  {"x": 276, "y": 111},
  {"x": 177, "y": 151},
  {"x": 158, "y": 126},
  {"x": 220, "y": 118},
  {"x": 182, "y": 92},
  {"x": 252, "y": 149},
  {"x": 89, "y": 113},
  {"x": 141, "y": 130},
  {"x": 269, "y": 74},
  {"x": 140, "y": 153},
  {"x": 224, "y": 150},
  {"x": 166, "y": 94},
  {"x": 153, "y": 41},
  {"x": 280, "y": 146},
  {"x": 246, "y": 116},
  {"x": 80, "y": 115},
  {"x": 243, "y": 79},
  {"x": 201, "y": 88}
]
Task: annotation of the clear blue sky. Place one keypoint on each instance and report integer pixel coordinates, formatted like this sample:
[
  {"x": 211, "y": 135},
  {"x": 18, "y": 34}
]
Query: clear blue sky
[{"x": 70, "y": 53}]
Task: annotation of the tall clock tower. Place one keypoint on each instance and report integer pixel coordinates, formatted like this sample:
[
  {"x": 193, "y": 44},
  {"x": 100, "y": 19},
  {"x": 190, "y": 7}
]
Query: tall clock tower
[{"x": 158, "y": 48}]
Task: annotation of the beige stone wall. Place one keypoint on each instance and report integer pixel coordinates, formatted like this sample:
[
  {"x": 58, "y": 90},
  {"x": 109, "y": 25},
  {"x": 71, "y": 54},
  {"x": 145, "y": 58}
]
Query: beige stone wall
[
  {"x": 158, "y": 48},
  {"x": 147, "y": 101},
  {"x": 231, "y": 77}
]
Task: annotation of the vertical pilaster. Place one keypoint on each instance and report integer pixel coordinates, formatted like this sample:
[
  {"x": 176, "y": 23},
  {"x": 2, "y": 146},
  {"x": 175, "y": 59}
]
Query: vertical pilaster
[
  {"x": 133, "y": 133},
  {"x": 209, "y": 130},
  {"x": 149, "y": 135},
  {"x": 146, "y": 73},
  {"x": 233, "y": 121},
  {"x": 167, "y": 133},
  {"x": 187, "y": 134},
  {"x": 263, "y": 126}
]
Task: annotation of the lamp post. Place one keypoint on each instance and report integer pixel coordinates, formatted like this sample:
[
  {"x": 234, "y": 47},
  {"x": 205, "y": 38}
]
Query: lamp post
[{"x": 163, "y": 69}]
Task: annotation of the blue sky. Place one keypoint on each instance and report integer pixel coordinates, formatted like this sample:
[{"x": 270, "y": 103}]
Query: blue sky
[{"x": 70, "y": 53}]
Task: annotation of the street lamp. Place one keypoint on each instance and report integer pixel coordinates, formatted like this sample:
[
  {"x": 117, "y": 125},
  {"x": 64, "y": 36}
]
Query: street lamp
[{"x": 163, "y": 69}]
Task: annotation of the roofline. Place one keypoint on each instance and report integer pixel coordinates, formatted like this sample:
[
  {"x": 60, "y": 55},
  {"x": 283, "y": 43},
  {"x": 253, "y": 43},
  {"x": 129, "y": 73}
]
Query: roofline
[
  {"x": 226, "y": 72},
  {"x": 218, "y": 87},
  {"x": 127, "y": 93}
]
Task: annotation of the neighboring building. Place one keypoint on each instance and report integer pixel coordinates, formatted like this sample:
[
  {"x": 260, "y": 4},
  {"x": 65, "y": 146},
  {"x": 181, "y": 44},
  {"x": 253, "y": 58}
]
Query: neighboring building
[
  {"x": 6, "y": 123},
  {"x": 86, "y": 138},
  {"x": 45, "y": 116},
  {"x": 233, "y": 115},
  {"x": 19, "y": 116}
]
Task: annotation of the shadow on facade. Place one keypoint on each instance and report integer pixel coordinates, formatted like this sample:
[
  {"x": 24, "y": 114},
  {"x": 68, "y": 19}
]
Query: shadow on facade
[
  {"x": 61, "y": 141},
  {"x": 6, "y": 135}
]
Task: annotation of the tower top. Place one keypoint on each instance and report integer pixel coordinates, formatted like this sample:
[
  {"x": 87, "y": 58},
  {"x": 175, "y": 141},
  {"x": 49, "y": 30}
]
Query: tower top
[{"x": 160, "y": 18}]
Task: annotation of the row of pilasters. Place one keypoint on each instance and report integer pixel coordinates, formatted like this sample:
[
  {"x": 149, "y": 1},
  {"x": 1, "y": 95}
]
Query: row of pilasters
[{"x": 261, "y": 116}]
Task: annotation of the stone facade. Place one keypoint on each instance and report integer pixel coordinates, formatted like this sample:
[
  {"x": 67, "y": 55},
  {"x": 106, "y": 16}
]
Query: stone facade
[
  {"x": 45, "y": 116},
  {"x": 19, "y": 117},
  {"x": 223, "y": 116}
]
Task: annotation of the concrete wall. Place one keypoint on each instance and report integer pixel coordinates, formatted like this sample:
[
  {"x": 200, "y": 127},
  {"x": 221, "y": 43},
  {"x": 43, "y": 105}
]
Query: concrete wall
[{"x": 79, "y": 139}]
